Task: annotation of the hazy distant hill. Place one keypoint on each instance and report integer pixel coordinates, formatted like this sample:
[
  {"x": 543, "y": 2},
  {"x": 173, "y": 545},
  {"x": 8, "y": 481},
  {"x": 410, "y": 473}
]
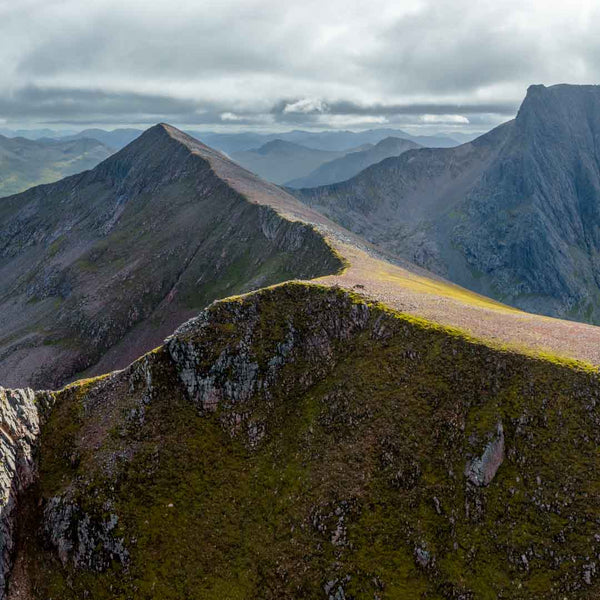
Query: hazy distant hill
[
  {"x": 25, "y": 163},
  {"x": 331, "y": 140},
  {"x": 515, "y": 214},
  {"x": 280, "y": 161},
  {"x": 117, "y": 138},
  {"x": 352, "y": 163}
]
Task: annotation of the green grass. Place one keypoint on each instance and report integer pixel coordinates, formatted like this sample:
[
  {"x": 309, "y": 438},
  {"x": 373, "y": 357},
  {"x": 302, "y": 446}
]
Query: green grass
[{"x": 374, "y": 418}]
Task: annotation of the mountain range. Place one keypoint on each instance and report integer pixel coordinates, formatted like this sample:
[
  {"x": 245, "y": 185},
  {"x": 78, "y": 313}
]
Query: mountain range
[
  {"x": 512, "y": 214},
  {"x": 279, "y": 161},
  {"x": 26, "y": 163},
  {"x": 329, "y": 140},
  {"x": 332, "y": 140},
  {"x": 359, "y": 428},
  {"x": 347, "y": 166}
]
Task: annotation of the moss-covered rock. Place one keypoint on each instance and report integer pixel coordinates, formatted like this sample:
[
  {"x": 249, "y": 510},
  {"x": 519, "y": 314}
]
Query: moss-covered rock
[{"x": 301, "y": 442}]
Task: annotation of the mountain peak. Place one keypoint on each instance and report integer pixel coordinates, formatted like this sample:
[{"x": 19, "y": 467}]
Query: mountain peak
[{"x": 563, "y": 106}]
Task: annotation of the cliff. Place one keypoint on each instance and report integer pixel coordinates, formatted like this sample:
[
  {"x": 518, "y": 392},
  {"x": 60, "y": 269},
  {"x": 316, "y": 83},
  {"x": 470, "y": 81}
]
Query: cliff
[{"x": 512, "y": 215}]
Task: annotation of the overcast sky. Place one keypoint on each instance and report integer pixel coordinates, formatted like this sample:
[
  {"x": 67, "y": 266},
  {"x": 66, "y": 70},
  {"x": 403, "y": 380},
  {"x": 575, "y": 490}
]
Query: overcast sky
[{"x": 275, "y": 64}]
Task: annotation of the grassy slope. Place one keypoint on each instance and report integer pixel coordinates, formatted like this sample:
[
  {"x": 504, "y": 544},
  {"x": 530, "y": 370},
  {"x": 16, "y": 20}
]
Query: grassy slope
[
  {"x": 417, "y": 292},
  {"x": 367, "y": 429},
  {"x": 26, "y": 163}
]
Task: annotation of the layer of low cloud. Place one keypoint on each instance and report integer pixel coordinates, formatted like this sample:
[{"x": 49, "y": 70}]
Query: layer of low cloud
[{"x": 268, "y": 64}]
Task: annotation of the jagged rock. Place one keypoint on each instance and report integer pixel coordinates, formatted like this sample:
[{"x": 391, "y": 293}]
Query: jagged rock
[
  {"x": 88, "y": 542},
  {"x": 480, "y": 471},
  {"x": 21, "y": 412},
  {"x": 423, "y": 557}
]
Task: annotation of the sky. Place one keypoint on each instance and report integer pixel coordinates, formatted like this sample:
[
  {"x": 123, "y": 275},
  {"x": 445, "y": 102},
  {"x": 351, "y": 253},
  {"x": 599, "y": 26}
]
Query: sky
[{"x": 273, "y": 65}]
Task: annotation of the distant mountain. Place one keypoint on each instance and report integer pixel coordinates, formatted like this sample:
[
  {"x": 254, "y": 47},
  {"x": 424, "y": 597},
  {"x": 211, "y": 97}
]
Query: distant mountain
[
  {"x": 331, "y": 140},
  {"x": 279, "y": 161},
  {"x": 36, "y": 134},
  {"x": 106, "y": 263},
  {"x": 117, "y": 138},
  {"x": 352, "y": 163},
  {"x": 515, "y": 214},
  {"x": 25, "y": 163}
]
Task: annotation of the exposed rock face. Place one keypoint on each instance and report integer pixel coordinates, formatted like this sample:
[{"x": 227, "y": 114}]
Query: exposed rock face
[
  {"x": 513, "y": 215},
  {"x": 142, "y": 242},
  {"x": 318, "y": 443},
  {"x": 20, "y": 414},
  {"x": 87, "y": 543},
  {"x": 480, "y": 471}
]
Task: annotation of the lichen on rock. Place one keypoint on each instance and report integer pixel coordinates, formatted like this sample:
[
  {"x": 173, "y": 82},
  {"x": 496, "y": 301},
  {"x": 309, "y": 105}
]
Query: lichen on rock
[{"x": 481, "y": 470}]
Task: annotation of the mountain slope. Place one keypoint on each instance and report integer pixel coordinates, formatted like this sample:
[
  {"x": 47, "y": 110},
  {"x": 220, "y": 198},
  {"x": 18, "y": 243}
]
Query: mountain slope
[
  {"x": 513, "y": 214},
  {"x": 279, "y": 161},
  {"x": 26, "y": 163},
  {"x": 352, "y": 163},
  {"x": 301, "y": 442},
  {"x": 115, "y": 258}
]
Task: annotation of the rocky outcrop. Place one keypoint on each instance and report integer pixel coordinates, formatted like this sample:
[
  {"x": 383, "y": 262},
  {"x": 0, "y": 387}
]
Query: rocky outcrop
[
  {"x": 303, "y": 442},
  {"x": 85, "y": 541},
  {"x": 21, "y": 414},
  {"x": 481, "y": 470},
  {"x": 251, "y": 366}
]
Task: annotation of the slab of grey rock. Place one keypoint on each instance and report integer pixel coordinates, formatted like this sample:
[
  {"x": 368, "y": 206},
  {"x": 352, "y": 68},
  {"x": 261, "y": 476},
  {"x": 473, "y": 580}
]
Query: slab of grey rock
[{"x": 481, "y": 470}]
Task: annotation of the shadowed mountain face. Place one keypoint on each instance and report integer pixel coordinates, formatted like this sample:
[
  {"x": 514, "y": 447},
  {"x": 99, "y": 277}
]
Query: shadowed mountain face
[
  {"x": 279, "y": 161},
  {"x": 25, "y": 163},
  {"x": 352, "y": 163},
  {"x": 514, "y": 214},
  {"x": 104, "y": 264}
]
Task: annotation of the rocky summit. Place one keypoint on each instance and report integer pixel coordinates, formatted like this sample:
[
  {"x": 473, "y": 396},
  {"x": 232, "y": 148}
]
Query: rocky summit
[
  {"x": 513, "y": 214},
  {"x": 105, "y": 264}
]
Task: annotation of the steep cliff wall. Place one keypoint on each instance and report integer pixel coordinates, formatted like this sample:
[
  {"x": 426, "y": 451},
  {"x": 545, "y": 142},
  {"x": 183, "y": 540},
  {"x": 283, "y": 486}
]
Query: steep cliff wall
[
  {"x": 513, "y": 214},
  {"x": 21, "y": 413}
]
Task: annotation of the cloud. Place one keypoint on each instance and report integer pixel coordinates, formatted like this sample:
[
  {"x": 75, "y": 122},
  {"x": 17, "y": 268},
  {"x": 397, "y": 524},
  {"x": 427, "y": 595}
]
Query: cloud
[
  {"x": 306, "y": 106},
  {"x": 262, "y": 63},
  {"x": 229, "y": 116},
  {"x": 445, "y": 119}
]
